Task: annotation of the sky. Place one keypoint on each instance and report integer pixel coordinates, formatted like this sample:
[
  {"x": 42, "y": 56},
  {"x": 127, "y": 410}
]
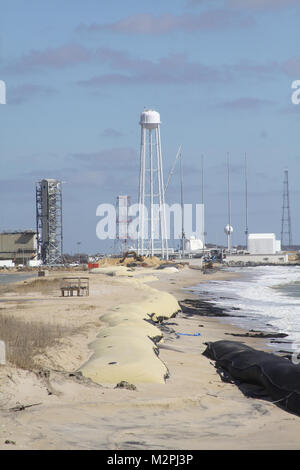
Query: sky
[{"x": 78, "y": 75}]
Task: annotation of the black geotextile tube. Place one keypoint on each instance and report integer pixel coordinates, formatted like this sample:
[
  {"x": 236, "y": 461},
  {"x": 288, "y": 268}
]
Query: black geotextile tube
[{"x": 276, "y": 375}]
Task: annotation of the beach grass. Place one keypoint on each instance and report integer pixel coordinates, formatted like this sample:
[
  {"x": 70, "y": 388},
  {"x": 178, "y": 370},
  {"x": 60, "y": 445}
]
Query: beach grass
[
  {"x": 25, "y": 339},
  {"x": 43, "y": 285}
]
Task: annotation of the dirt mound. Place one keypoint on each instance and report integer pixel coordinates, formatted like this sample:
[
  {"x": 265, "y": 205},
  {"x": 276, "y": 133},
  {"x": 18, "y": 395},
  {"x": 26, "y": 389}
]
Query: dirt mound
[{"x": 144, "y": 261}]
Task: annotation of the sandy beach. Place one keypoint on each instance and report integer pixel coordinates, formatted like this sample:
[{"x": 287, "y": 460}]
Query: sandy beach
[{"x": 175, "y": 398}]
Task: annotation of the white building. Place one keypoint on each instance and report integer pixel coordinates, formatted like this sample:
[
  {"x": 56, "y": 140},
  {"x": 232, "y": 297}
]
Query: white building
[
  {"x": 193, "y": 244},
  {"x": 33, "y": 263},
  {"x": 263, "y": 244},
  {"x": 6, "y": 263}
]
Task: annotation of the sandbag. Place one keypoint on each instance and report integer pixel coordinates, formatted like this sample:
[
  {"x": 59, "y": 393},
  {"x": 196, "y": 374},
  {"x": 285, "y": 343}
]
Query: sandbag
[{"x": 277, "y": 376}]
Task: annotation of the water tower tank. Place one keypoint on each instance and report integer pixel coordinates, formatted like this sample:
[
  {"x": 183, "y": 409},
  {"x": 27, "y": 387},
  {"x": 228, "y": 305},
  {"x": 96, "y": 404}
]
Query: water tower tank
[{"x": 150, "y": 119}]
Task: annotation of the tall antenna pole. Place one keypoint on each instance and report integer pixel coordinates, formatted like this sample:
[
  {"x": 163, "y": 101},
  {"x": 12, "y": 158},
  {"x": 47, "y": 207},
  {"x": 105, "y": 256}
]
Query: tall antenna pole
[
  {"x": 229, "y": 204},
  {"x": 228, "y": 229},
  {"x": 286, "y": 226},
  {"x": 182, "y": 206},
  {"x": 202, "y": 201},
  {"x": 228, "y": 191},
  {"x": 202, "y": 177},
  {"x": 246, "y": 200}
]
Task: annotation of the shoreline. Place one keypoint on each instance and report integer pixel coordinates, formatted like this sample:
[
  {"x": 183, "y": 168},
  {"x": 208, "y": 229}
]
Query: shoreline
[
  {"x": 184, "y": 292},
  {"x": 276, "y": 337},
  {"x": 192, "y": 409}
]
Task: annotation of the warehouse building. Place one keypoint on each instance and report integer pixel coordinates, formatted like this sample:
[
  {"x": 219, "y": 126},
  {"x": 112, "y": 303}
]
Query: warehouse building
[
  {"x": 19, "y": 247},
  {"x": 263, "y": 244}
]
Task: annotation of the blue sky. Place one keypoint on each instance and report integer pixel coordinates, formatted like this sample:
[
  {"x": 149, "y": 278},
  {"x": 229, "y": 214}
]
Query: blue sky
[{"x": 78, "y": 75}]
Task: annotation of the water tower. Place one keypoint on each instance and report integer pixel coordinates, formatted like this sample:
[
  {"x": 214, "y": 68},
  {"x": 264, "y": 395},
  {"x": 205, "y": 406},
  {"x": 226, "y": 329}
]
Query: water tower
[{"x": 151, "y": 187}]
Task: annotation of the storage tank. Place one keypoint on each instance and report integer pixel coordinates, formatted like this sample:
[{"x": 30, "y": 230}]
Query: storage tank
[{"x": 150, "y": 119}]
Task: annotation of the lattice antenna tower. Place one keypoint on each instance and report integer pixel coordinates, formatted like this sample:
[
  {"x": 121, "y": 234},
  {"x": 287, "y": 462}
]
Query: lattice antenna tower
[
  {"x": 49, "y": 221},
  {"x": 123, "y": 221},
  {"x": 286, "y": 226}
]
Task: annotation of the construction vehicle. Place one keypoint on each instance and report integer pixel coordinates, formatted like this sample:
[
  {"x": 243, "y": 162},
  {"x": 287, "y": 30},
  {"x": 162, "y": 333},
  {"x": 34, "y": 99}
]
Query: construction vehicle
[
  {"x": 132, "y": 254},
  {"x": 208, "y": 263}
]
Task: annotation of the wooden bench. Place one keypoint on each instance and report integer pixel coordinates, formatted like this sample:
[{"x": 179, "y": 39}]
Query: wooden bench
[{"x": 69, "y": 285}]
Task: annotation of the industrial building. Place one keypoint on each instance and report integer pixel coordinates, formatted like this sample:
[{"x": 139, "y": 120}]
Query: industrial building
[
  {"x": 18, "y": 247},
  {"x": 263, "y": 244},
  {"x": 263, "y": 248},
  {"x": 193, "y": 245}
]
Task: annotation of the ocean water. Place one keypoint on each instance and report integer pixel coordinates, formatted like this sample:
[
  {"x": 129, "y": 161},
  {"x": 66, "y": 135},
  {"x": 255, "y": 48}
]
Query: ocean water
[{"x": 268, "y": 298}]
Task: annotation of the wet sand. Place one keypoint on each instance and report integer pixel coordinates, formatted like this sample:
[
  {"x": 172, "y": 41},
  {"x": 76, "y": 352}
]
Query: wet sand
[{"x": 191, "y": 409}]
